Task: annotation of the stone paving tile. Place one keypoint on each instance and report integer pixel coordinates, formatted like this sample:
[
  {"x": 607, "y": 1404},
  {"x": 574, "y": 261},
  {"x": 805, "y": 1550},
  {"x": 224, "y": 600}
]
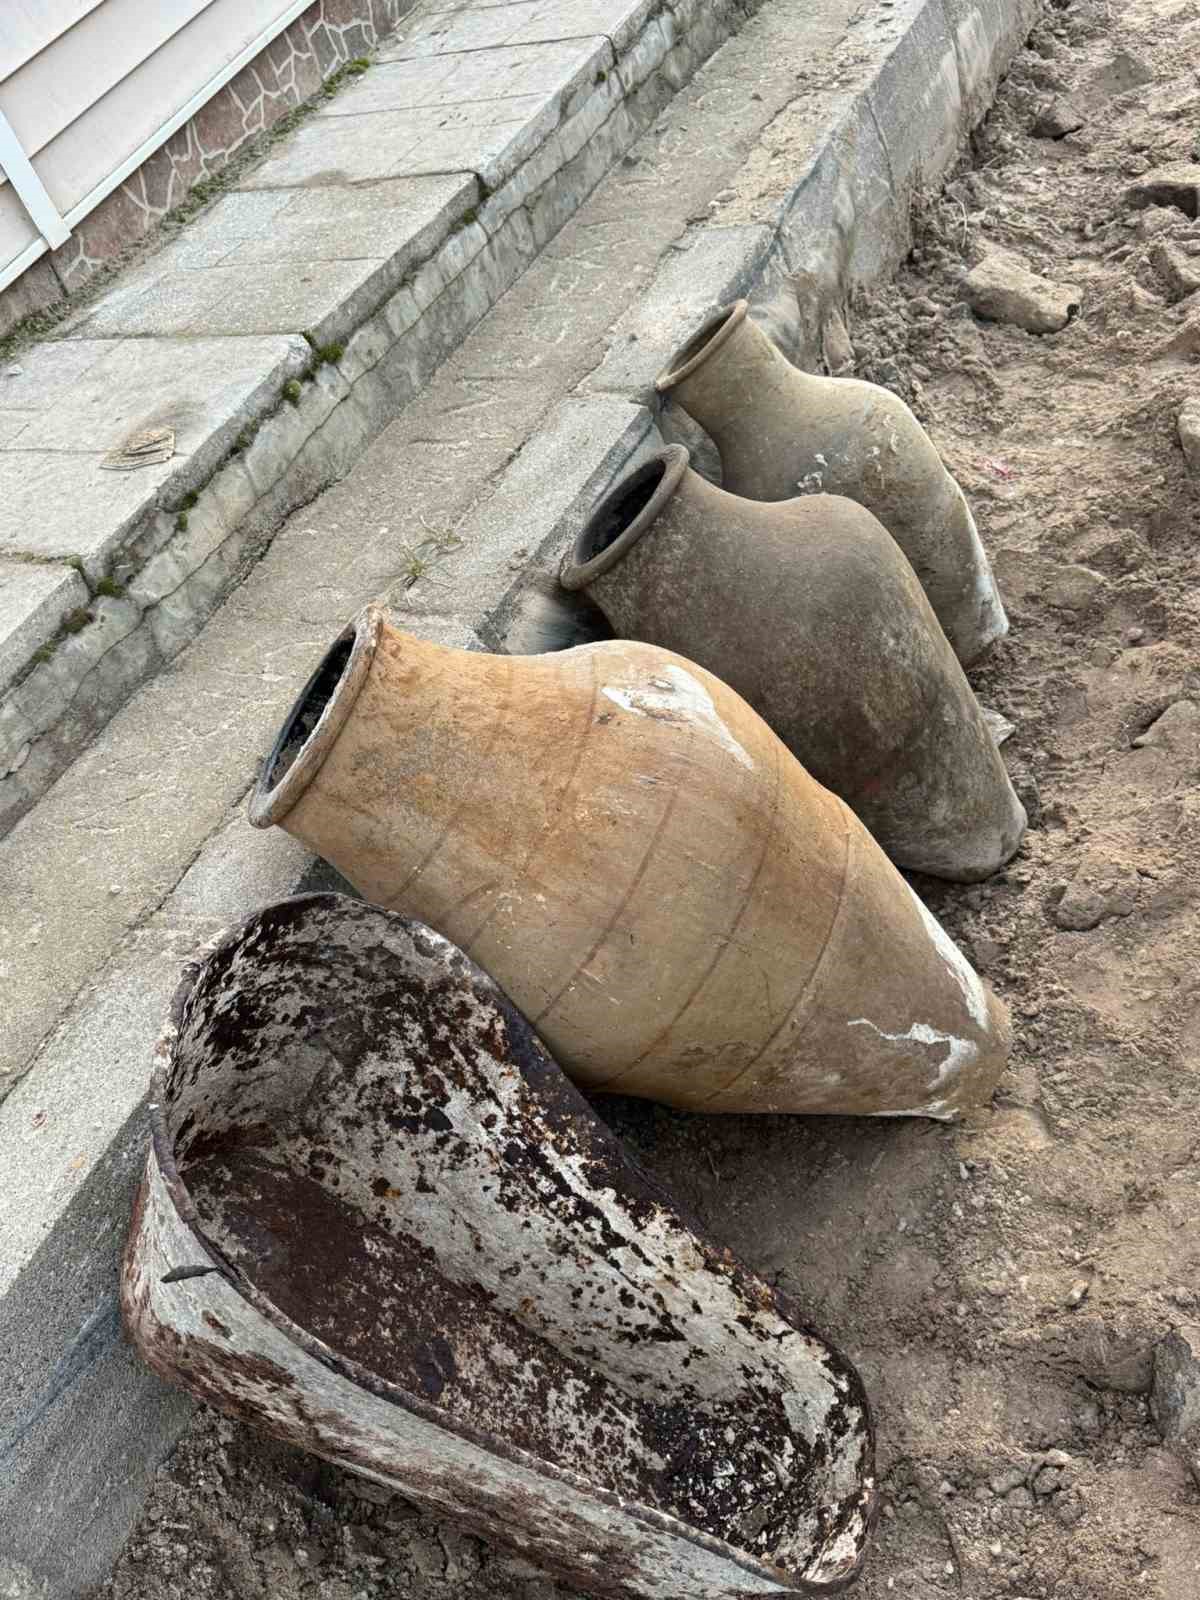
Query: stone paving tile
[
  {"x": 403, "y": 220},
  {"x": 56, "y": 503},
  {"x": 493, "y": 137},
  {"x": 12, "y": 424},
  {"x": 195, "y": 386},
  {"x": 438, "y": 29},
  {"x": 345, "y": 150},
  {"x": 34, "y": 599},
  {"x": 46, "y": 372},
  {"x": 318, "y": 260},
  {"x": 228, "y": 300},
  {"x": 394, "y": 144},
  {"x": 463, "y": 77},
  {"x": 205, "y": 389}
]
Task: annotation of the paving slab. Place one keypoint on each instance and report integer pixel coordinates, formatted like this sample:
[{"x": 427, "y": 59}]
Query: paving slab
[
  {"x": 707, "y": 270},
  {"x": 591, "y": 438},
  {"x": 12, "y": 425},
  {"x": 46, "y": 373},
  {"x": 59, "y": 502},
  {"x": 400, "y": 221},
  {"x": 488, "y": 137},
  {"x": 480, "y": 27},
  {"x": 461, "y": 77},
  {"x": 225, "y": 300},
  {"x": 34, "y": 600}
]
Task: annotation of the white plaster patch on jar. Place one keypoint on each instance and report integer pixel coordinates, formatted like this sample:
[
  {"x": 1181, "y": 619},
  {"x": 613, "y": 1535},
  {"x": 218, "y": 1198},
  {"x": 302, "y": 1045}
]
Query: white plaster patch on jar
[
  {"x": 960, "y": 968},
  {"x": 961, "y": 1052},
  {"x": 674, "y": 692}
]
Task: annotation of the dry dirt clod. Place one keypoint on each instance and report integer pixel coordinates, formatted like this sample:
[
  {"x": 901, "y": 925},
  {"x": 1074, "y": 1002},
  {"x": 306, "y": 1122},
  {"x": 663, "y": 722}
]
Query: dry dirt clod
[
  {"x": 1122, "y": 72},
  {"x": 1102, "y": 887},
  {"x": 1180, "y": 273},
  {"x": 1177, "y": 729},
  {"x": 1058, "y": 119},
  {"x": 1184, "y": 343},
  {"x": 1003, "y": 289},
  {"x": 1176, "y": 185}
]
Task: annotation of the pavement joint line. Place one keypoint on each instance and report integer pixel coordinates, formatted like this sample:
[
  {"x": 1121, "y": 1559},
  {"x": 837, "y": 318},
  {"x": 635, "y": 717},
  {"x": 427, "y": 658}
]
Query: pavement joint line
[{"x": 72, "y": 1131}]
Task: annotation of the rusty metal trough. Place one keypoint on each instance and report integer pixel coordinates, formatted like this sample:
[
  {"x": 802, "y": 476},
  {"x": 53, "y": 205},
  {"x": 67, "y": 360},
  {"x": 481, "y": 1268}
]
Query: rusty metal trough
[{"x": 379, "y": 1222}]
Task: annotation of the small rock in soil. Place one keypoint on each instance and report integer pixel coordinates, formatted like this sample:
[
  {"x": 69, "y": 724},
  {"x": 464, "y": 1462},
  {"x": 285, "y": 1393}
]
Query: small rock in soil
[
  {"x": 1003, "y": 289},
  {"x": 1177, "y": 729},
  {"x": 998, "y": 726},
  {"x": 1180, "y": 273},
  {"x": 1177, "y": 185},
  {"x": 1155, "y": 220},
  {"x": 1111, "y": 1358},
  {"x": 1067, "y": 586},
  {"x": 1123, "y": 72},
  {"x": 1058, "y": 119},
  {"x": 1177, "y": 1382},
  {"x": 1189, "y": 434},
  {"x": 1073, "y": 587},
  {"x": 1176, "y": 1394},
  {"x": 1100, "y": 888},
  {"x": 1185, "y": 343}
]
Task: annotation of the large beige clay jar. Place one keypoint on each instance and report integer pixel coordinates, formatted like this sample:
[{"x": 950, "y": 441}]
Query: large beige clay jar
[
  {"x": 631, "y": 853},
  {"x": 782, "y": 432},
  {"x": 808, "y": 609}
]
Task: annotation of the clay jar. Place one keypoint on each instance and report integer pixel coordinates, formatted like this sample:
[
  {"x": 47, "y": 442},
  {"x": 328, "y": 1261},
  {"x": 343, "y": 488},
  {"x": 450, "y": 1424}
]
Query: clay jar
[
  {"x": 783, "y": 432},
  {"x": 810, "y": 611},
  {"x": 629, "y": 851}
]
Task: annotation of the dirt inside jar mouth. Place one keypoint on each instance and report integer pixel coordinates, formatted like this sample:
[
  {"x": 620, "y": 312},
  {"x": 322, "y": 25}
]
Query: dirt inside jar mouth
[
  {"x": 308, "y": 710},
  {"x": 621, "y": 510}
]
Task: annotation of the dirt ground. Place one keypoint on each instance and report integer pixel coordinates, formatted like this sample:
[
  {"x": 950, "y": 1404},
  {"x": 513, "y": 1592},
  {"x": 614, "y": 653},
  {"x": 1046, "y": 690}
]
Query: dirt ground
[{"x": 1002, "y": 1284}]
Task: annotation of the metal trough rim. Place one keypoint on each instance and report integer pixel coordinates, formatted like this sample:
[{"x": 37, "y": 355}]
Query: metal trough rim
[{"x": 393, "y": 1394}]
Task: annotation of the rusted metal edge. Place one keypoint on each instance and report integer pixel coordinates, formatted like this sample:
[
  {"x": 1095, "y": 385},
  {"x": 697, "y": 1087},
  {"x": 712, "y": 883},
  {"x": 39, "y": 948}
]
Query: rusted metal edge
[{"x": 345, "y": 1367}]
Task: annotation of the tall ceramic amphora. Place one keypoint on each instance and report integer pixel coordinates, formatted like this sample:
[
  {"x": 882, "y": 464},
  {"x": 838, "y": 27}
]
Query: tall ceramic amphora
[
  {"x": 631, "y": 853},
  {"x": 808, "y": 609},
  {"x": 782, "y": 432}
]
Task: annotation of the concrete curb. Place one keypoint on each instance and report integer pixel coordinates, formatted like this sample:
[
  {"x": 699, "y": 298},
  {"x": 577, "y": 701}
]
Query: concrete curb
[
  {"x": 81, "y": 1425},
  {"x": 303, "y": 378}
]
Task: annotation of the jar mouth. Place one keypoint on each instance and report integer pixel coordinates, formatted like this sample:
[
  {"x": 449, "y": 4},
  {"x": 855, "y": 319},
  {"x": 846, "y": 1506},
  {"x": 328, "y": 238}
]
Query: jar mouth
[
  {"x": 318, "y": 715},
  {"x": 712, "y": 333},
  {"x": 622, "y": 517}
]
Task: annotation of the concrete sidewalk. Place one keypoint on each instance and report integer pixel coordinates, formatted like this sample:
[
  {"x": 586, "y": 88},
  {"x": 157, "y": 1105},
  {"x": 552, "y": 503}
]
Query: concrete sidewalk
[
  {"x": 286, "y": 326},
  {"x": 141, "y": 850}
]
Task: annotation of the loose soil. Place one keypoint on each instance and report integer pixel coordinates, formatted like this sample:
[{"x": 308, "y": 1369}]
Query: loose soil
[{"x": 1002, "y": 1283}]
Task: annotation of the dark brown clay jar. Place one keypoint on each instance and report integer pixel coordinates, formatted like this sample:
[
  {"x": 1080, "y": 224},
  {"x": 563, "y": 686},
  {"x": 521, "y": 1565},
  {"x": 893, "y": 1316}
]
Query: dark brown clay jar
[
  {"x": 809, "y": 610},
  {"x": 782, "y": 432}
]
